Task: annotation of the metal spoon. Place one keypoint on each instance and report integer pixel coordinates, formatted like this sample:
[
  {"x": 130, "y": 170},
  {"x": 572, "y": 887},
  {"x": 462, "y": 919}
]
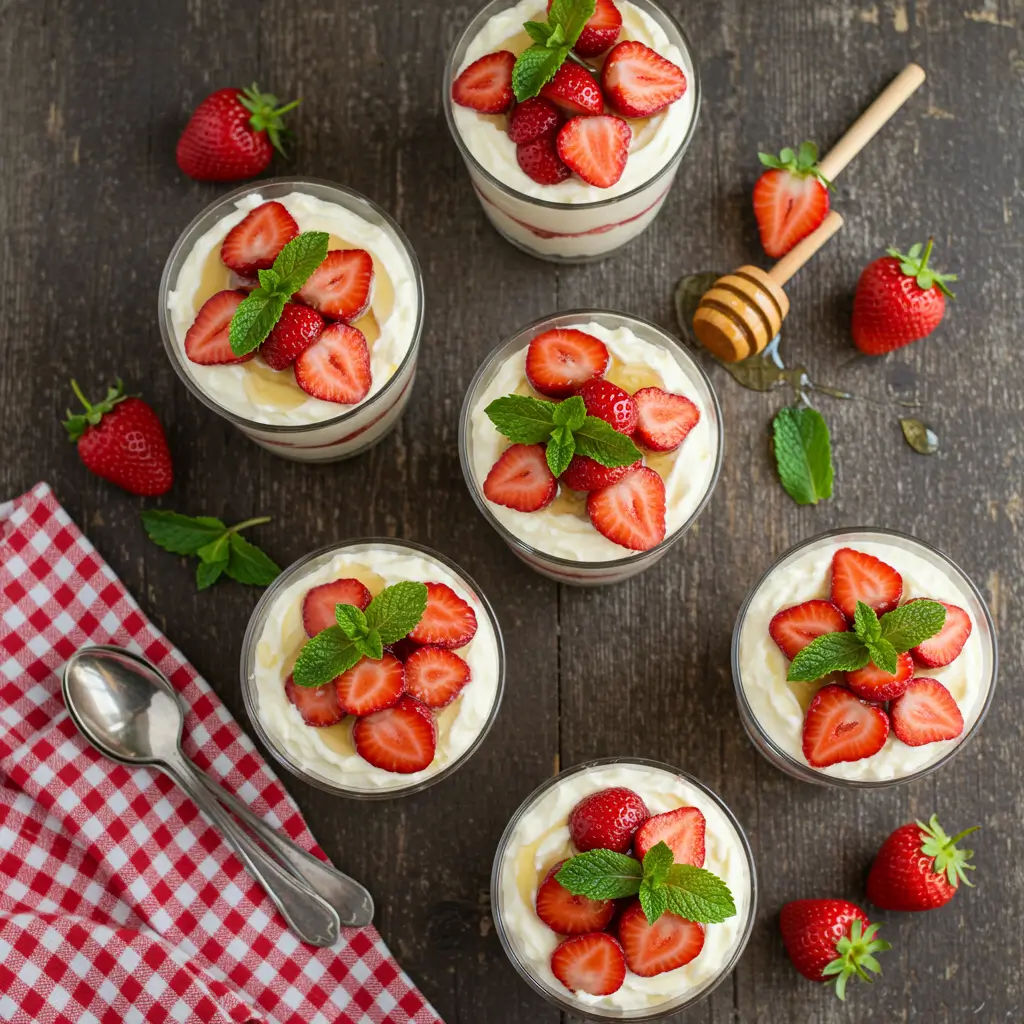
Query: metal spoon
[{"x": 131, "y": 714}]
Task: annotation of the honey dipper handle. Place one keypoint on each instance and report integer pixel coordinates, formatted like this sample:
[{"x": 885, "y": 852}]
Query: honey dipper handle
[
  {"x": 804, "y": 250},
  {"x": 864, "y": 129}
]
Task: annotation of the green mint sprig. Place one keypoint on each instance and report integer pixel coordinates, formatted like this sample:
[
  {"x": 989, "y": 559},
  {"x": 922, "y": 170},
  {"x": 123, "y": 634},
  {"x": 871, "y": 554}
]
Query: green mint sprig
[
  {"x": 875, "y": 640},
  {"x": 262, "y": 307},
  {"x": 661, "y": 885},
  {"x": 552, "y": 41},
  {"x": 803, "y": 454},
  {"x": 564, "y": 427},
  {"x": 393, "y": 614},
  {"x": 803, "y": 163},
  {"x": 220, "y": 549}
]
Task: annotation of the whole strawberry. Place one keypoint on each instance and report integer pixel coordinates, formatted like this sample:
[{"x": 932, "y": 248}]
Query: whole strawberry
[
  {"x": 232, "y": 135},
  {"x": 830, "y": 941},
  {"x": 919, "y": 867},
  {"x": 121, "y": 440},
  {"x": 899, "y": 299}
]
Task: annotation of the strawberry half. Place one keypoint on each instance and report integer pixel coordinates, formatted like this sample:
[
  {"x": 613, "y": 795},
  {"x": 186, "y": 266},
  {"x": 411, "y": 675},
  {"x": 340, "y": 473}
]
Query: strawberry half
[
  {"x": 207, "y": 339},
  {"x": 531, "y": 119},
  {"x": 486, "y": 85},
  {"x": 539, "y": 160},
  {"x": 399, "y": 739},
  {"x": 435, "y": 676},
  {"x": 794, "y": 628},
  {"x": 608, "y": 402},
  {"x": 574, "y": 91},
  {"x": 857, "y": 576},
  {"x": 319, "y": 603},
  {"x": 448, "y": 621},
  {"x": 298, "y": 328},
  {"x": 340, "y": 287},
  {"x": 253, "y": 243},
  {"x": 318, "y": 705},
  {"x": 663, "y": 419},
  {"x": 521, "y": 479},
  {"x": 586, "y": 474},
  {"x": 371, "y": 685},
  {"x": 600, "y": 31},
  {"x": 682, "y": 830},
  {"x": 559, "y": 362},
  {"x": 591, "y": 963},
  {"x": 607, "y": 820},
  {"x": 652, "y": 949},
  {"x": 946, "y": 645},
  {"x": 632, "y": 511},
  {"x": 841, "y": 727},
  {"x": 336, "y": 367},
  {"x": 638, "y": 81},
  {"x": 596, "y": 148},
  {"x": 925, "y": 713},
  {"x": 873, "y": 684},
  {"x": 567, "y": 914},
  {"x": 790, "y": 198}
]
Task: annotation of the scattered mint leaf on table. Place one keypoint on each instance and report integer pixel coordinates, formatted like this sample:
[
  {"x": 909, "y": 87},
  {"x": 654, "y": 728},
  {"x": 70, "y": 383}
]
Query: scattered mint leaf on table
[{"x": 803, "y": 454}]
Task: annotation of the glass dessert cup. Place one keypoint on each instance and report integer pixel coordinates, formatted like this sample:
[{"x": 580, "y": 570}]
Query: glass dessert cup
[
  {"x": 277, "y": 621},
  {"x": 573, "y": 567},
  {"x": 751, "y": 656},
  {"x": 591, "y": 227},
  {"x": 395, "y": 318},
  {"x": 521, "y": 862}
]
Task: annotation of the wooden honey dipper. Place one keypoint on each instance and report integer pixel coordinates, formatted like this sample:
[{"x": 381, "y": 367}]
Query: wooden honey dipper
[{"x": 741, "y": 312}]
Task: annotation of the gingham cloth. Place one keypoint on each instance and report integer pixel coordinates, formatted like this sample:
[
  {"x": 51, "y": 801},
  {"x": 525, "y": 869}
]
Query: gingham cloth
[{"x": 118, "y": 902}]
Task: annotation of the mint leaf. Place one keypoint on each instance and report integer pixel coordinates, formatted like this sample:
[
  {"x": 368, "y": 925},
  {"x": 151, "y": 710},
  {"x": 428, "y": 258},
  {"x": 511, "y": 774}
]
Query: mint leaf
[
  {"x": 601, "y": 442},
  {"x": 396, "y": 611},
  {"x": 560, "y": 450},
  {"x": 883, "y": 654},
  {"x": 657, "y": 862},
  {"x": 653, "y": 900},
  {"x": 207, "y": 573},
  {"x": 299, "y": 258},
  {"x": 369, "y": 646},
  {"x": 912, "y": 623},
  {"x": 534, "y": 68},
  {"x": 351, "y": 620},
  {"x": 181, "y": 535},
  {"x": 216, "y": 550},
  {"x": 324, "y": 657},
  {"x": 538, "y": 31},
  {"x": 601, "y": 875},
  {"x": 248, "y": 564},
  {"x": 522, "y": 419},
  {"x": 571, "y": 413},
  {"x": 833, "y": 652},
  {"x": 865, "y": 622},
  {"x": 803, "y": 454},
  {"x": 254, "y": 320},
  {"x": 573, "y": 16},
  {"x": 698, "y": 895},
  {"x": 269, "y": 279}
]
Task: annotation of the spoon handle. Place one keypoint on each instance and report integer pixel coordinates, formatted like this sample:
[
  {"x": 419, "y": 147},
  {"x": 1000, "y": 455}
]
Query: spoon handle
[
  {"x": 307, "y": 914},
  {"x": 351, "y": 900}
]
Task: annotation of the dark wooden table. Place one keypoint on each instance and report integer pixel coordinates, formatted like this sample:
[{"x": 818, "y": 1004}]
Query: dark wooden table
[{"x": 94, "y": 95}]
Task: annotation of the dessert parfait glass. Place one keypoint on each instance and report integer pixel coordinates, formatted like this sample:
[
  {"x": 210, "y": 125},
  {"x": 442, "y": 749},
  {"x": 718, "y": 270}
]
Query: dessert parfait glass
[
  {"x": 772, "y": 709},
  {"x": 267, "y": 405},
  {"x": 585, "y": 222},
  {"x": 559, "y": 541},
  {"x": 326, "y": 757},
  {"x": 537, "y": 837}
]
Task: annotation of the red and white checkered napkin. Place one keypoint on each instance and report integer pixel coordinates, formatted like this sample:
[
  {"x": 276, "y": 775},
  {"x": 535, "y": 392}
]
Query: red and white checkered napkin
[{"x": 118, "y": 902}]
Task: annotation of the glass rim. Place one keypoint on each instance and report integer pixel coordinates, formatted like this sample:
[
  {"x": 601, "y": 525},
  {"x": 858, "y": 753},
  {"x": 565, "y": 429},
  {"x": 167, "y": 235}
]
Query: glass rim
[
  {"x": 598, "y": 1013},
  {"x": 247, "y": 657},
  {"x": 816, "y": 776},
  {"x": 673, "y": 160},
  {"x": 176, "y": 357},
  {"x": 512, "y": 539}
]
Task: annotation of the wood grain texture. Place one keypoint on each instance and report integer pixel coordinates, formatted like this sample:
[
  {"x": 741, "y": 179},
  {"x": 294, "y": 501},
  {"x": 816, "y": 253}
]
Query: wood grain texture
[{"x": 91, "y": 202}]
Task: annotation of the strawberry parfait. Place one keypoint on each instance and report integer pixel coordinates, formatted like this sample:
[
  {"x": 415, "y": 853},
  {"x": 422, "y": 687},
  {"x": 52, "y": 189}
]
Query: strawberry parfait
[
  {"x": 864, "y": 658},
  {"x": 590, "y": 441},
  {"x": 293, "y": 308},
  {"x": 373, "y": 668},
  {"x": 594, "y": 890},
  {"x": 572, "y": 118}
]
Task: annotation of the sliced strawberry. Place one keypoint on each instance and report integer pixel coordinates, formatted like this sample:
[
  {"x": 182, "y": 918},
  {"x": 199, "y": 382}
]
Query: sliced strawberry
[
  {"x": 596, "y": 148},
  {"x": 841, "y": 727},
  {"x": 608, "y": 402},
  {"x": 632, "y": 511},
  {"x": 371, "y": 685},
  {"x": 652, "y": 949},
  {"x": 946, "y": 645},
  {"x": 926, "y": 713},
  {"x": 788, "y": 208},
  {"x": 253, "y": 243},
  {"x": 319, "y": 603},
  {"x": 857, "y": 576},
  {"x": 607, "y": 820},
  {"x": 521, "y": 479},
  {"x": 585, "y": 474},
  {"x": 682, "y": 830},
  {"x": 399, "y": 739},
  {"x": 341, "y": 286},
  {"x": 448, "y": 620},
  {"x": 560, "y": 361},
  {"x": 600, "y": 31},
  {"x": 574, "y": 90},
  {"x": 638, "y": 81},
  {"x": 663, "y": 419},
  {"x": 403, "y": 649},
  {"x": 794, "y": 628},
  {"x": 591, "y": 963},
  {"x": 871, "y": 683},
  {"x": 531, "y": 119},
  {"x": 336, "y": 368},
  {"x": 318, "y": 705},
  {"x": 207, "y": 339},
  {"x": 567, "y": 914},
  {"x": 539, "y": 160},
  {"x": 435, "y": 676},
  {"x": 298, "y": 328},
  {"x": 486, "y": 85},
  {"x": 243, "y": 284}
]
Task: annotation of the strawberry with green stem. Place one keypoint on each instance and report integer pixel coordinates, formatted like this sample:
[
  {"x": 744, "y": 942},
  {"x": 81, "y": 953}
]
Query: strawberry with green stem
[{"x": 790, "y": 198}]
